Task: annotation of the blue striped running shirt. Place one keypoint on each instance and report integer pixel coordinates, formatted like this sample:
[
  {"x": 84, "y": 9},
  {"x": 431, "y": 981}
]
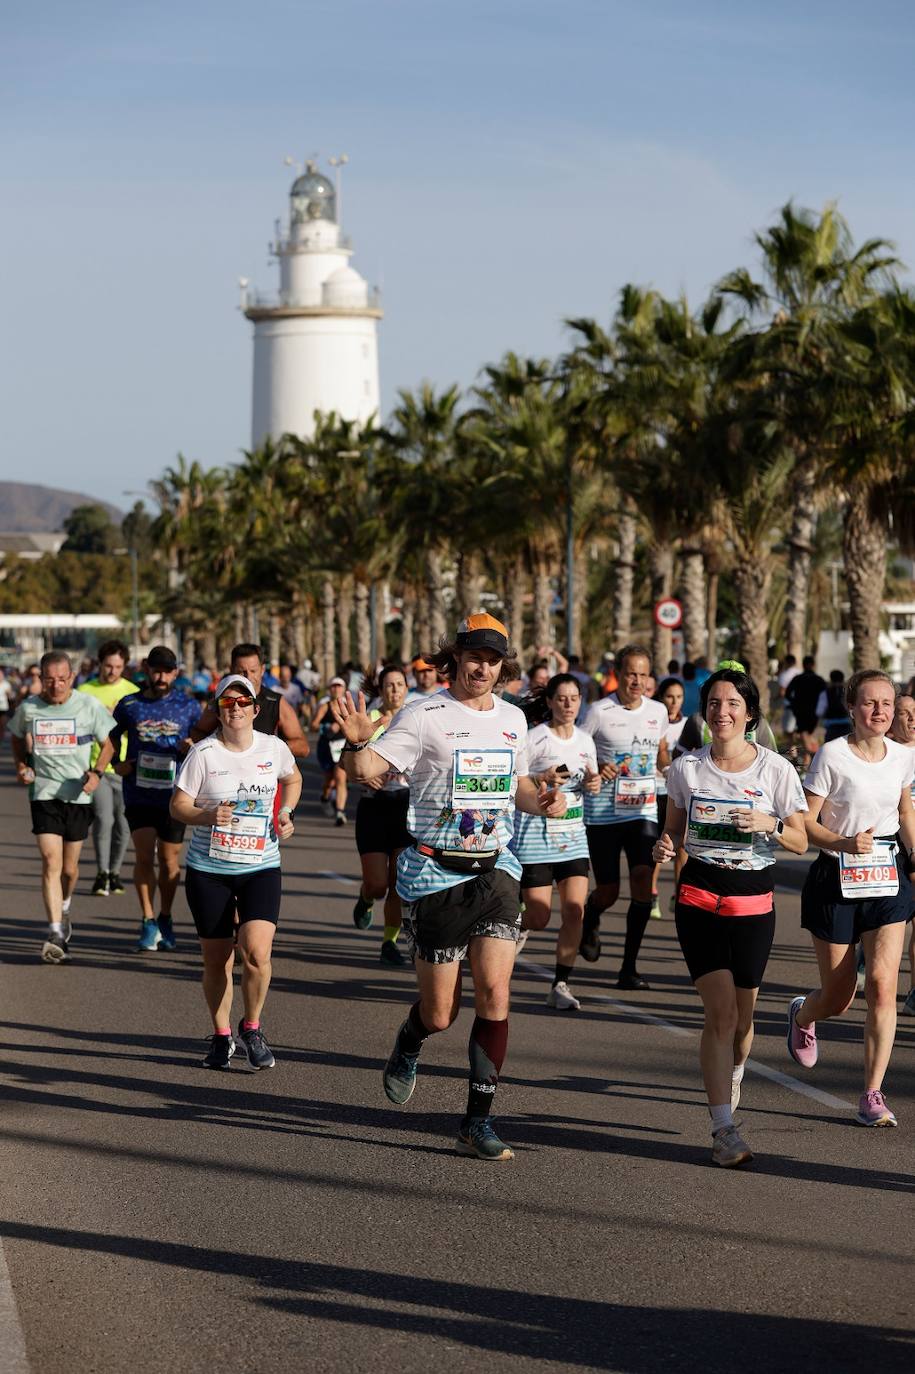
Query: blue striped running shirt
[
  {"x": 540, "y": 839},
  {"x": 630, "y": 739},
  {"x": 462, "y": 766}
]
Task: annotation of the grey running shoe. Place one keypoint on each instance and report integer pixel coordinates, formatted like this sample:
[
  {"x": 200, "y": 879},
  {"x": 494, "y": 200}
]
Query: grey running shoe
[
  {"x": 255, "y": 1048},
  {"x": 477, "y": 1137},
  {"x": 54, "y": 950},
  {"x": 560, "y": 997},
  {"x": 222, "y": 1047},
  {"x": 400, "y": 1074},
  {"x": 728, "y": 1149}
]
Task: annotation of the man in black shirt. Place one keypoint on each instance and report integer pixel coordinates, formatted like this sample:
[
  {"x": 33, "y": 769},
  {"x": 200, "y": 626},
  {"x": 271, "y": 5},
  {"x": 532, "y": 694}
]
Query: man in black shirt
[
  {"x": 276, "y": 716},
  {"x": 803, "y": 695}
]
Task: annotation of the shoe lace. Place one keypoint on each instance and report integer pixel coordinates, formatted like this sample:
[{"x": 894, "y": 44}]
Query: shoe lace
[
  {"x": 875, "y": 1098},
  {"x": 480, "y": 1129}
]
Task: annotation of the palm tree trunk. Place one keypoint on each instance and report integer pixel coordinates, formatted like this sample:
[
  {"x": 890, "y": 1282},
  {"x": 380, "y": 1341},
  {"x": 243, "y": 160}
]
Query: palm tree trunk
[
  {"x": 382, "y": 613},
  {"x": 436, "y": 599},
  {"x": 328, "y": 659},
  {"x": 238, "y": 621},
  {"x": 364, "y": 645},
  {"x": 407, "y": 615},
  {"x": 624, "y": 580},
  {"x": 579, "y": 598},
  {"x": 208, "y": 649},
  {"x": 468, "y": 585},
  {"x": 252, "y": 627},
  {"x": 711, "y": 615},
  {"x": 514, "y": 586},
  {"x": 189, "y": 642},
  {"x": 661, "y": 564},
  {"x": 751, "y": 584},
  {"x": 344, "y": 617},
  {"x": 295, "y": 629},
  {"x": 543, "y": 603},
  {"x": 864, "y": 557},
  {"x": 273, "y": 638},
  {"x": 693, "y": 596},
  {"x": 800, "y": 550}
]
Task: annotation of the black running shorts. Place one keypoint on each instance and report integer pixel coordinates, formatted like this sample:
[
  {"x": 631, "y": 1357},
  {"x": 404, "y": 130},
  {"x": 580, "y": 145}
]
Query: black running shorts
[
  {"x": 606, "y": 843},
  {"x": 214, "y": 899},
  {"x": 381, "y": 823},
  {"x": 545, "y": 875},
  {"x": 69, "y": 820},
  {"x": 141, "y": 816},
  {"x": 831, "y": 917},
  {"x": 441, "y": 926}
]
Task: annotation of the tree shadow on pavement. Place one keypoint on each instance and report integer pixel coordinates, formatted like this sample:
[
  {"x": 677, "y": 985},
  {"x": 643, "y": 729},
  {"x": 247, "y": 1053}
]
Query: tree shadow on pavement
[{"x": 491, "y": 1319}]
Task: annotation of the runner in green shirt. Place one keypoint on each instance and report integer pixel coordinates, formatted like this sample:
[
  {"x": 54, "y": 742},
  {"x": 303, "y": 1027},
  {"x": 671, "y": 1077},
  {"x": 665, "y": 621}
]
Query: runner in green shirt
[
  {"x": 110, "y": 831},
  {"x": 52, "y": 736}
]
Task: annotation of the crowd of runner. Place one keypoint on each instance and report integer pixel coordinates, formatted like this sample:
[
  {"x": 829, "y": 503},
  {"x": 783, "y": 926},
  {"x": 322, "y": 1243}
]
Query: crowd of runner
[{"x": 479, "y": 787}]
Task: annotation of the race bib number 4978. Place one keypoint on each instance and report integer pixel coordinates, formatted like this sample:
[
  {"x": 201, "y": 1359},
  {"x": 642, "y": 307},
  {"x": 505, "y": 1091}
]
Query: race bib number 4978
[{"x": 54, "y": 735}]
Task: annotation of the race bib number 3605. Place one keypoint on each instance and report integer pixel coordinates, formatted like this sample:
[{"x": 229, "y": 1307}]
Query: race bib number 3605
[{"x": 482, "y": 775}]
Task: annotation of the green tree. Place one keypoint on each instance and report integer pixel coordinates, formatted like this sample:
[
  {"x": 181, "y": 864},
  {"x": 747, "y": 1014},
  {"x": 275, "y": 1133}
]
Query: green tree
[{"x": 89, "y": 530}]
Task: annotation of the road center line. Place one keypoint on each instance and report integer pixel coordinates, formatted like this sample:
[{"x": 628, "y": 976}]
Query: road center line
[{"x": 774, "y": 1075}]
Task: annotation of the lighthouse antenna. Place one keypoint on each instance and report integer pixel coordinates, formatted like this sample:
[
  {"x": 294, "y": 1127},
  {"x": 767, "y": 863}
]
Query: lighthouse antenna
[{"x": 338, "y": 163}]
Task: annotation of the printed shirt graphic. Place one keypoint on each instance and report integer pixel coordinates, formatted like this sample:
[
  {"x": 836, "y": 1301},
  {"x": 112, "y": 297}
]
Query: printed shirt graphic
[
  {"x": 462, "y": 766},
  {"x": 109, "y": 694},
  {"x": 62, "y": 740},
  {"x": 154, "y": 729},
  {"x": 211, "y": 774},
  {"x": 540, "y": 839},
  {"x": 770, "y": 784},
  {"x": 629, "y": 739}
]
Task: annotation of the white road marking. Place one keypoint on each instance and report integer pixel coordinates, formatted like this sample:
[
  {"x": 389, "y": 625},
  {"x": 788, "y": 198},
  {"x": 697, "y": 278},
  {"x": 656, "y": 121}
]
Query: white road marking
[
  {"x": 775, "y": 1075},
  {"x": 13, "y": 1359},
  {"x": 338, "y": 877}
]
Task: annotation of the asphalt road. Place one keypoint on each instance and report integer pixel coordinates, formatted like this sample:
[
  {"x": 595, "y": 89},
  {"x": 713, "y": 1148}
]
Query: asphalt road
[{"x": 159, "y": 1217}]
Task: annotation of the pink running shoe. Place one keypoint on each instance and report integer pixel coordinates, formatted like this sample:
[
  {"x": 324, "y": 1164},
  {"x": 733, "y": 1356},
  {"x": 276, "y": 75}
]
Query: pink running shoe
[
  {"x": 873, "y": 1111},
  {"x": 802, "y": 1044}
]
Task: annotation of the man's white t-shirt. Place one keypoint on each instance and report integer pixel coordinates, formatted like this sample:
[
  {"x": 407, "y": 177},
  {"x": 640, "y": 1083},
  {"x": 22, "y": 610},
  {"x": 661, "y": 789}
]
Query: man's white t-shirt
[
  {"x": 630, "y": 739},
  {"x": 711, "y": 798},
  {"x": 860, "y": 796},
  {"x": 462, "y": 766}
]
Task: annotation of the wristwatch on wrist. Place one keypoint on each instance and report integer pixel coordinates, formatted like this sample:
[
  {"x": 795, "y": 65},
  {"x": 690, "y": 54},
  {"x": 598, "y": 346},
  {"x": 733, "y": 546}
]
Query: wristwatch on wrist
[
  {"x": 96, "y": 771},
  {"x": 290, "y": 811},
  {"x": 777, "y": 831},
  {"x": 355, "y": 748}
]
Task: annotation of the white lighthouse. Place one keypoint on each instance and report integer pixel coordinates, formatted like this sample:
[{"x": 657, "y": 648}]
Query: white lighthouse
[{"x": 315, "y": 343}]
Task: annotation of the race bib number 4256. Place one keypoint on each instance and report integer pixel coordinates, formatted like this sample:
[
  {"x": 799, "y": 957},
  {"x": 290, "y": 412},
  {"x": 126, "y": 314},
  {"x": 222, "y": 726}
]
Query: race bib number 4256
[{"x": 482, "y": 775}]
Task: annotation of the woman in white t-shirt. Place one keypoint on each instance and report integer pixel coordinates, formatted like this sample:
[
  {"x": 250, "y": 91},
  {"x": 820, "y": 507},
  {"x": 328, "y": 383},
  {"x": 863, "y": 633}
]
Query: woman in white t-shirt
[
  {"x": 226, "y": 790},
  {"x": 556, "y": 851},
  {"x": 733, "y": 805},
  {"x": 859, "y": 794}
]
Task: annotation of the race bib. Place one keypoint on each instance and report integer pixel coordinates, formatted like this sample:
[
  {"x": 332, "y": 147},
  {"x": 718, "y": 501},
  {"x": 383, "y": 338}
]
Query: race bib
[
  {"x": 712, "y": 827},
  {"x": 156, "y": 771},
  {"x": 632, "y": 794},
  {"x": 54, "y": 735},
  {"x": 559, "y": 826},
  {"x": 482, "y": 775},
  {"x": 242, "y": 842},
  {"x": 870, "y": 875}
]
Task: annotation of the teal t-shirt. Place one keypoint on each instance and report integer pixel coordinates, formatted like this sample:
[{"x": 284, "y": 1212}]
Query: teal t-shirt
[{"x": 62, "y": 740}]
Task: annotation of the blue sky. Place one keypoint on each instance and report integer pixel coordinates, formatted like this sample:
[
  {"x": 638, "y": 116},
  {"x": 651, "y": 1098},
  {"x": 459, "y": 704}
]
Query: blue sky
[{"x": 513, "y": 162}]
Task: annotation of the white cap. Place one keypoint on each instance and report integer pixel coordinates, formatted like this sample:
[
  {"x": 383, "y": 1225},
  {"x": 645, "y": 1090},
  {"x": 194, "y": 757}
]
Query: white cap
[
  {"x": 337, "y": 681},
  {"x": 236, "y": 680}
]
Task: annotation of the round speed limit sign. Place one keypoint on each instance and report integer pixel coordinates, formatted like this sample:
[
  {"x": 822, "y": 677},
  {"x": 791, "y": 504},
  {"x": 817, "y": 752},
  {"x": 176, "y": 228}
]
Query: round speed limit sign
[{"x": 668, "y": 613}]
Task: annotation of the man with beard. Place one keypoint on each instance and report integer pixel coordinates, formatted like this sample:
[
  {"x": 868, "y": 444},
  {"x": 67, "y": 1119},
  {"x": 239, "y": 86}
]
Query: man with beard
[{"x": 157, "y": 723}]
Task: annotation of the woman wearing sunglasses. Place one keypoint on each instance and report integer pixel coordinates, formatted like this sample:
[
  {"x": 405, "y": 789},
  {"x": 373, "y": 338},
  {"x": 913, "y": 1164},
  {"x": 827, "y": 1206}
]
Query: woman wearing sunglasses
[{"x": 226, "y": 790}]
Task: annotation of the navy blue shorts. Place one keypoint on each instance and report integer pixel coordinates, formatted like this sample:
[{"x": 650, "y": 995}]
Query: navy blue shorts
[{"x": 831, "y": 917}]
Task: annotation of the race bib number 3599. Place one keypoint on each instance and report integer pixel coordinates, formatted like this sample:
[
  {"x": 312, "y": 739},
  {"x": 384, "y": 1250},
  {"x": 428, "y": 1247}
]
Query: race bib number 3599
[{"x": 243, "y": 842}]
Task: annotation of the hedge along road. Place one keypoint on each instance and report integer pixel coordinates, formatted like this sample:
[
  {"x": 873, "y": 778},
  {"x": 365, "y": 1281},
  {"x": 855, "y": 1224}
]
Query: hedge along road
[{"x": 157, "y": 1217}]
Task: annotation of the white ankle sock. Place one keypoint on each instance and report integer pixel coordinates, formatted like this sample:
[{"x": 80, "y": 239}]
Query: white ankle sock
[
  {"x": 721, "y": 1116},
  {"x": 737, "y": 1075},
  {"x": 65, "y": 907},
  {"x": 57, "y": 927}
]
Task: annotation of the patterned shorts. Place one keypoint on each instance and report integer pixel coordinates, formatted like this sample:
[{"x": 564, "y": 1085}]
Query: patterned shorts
[{"x": 440, "y": 927}]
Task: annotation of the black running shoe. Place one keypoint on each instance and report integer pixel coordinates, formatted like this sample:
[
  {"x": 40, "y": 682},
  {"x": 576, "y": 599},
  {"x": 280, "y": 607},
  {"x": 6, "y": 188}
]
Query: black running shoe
[
  {"x": 632, "y": 982},
  {"x": 101, "y": 887},
  {"x": 222, "y": 1047},
  {"x": 391, "y": 955},
  {"x": 115, "y": 886},
  {"x": 255, "y": 1048}
]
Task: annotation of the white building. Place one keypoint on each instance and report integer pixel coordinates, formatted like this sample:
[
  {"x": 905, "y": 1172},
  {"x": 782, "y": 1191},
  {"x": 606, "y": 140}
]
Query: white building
[
  {"x": 315, "y": 342},
  {"x": 896, "y": 643}
]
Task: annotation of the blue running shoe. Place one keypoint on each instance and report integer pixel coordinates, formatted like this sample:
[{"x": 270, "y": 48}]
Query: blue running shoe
[
  {"x": 167, "y": 933},
  {"x": 477, "y": 1137},
  {"x": 222, "y": 1047},
  {"x": 400, "y": 1074},
  {"x": 150, "y": 939}
]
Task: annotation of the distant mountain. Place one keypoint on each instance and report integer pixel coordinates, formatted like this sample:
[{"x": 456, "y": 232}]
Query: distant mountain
[{"x": 25, "y": 508}]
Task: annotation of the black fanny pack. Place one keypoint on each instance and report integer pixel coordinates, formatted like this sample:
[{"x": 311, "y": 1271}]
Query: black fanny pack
[{"x": 461, "y": 860}]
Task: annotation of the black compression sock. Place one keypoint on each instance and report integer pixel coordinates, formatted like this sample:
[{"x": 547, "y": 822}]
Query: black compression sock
[
  {"x": 637, "y": 918},
  {"x": 563, "y": 973},
  {"x": 413, "y": 1032}
]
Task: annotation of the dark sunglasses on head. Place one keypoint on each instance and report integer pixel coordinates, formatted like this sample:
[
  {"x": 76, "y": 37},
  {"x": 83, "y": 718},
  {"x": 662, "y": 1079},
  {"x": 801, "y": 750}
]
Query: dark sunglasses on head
[{"x": 235, "y": 701}]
